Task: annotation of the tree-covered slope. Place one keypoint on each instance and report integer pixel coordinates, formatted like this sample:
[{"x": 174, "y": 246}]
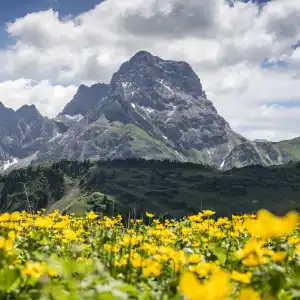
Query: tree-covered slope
[{"x": 162, "y": 187}]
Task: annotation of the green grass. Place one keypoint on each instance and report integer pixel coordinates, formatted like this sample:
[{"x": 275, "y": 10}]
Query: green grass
[{"x": 291, "y": 147}]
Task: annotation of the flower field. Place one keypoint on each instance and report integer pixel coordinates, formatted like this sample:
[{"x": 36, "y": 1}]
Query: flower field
[{"x": 199, "y": 257}]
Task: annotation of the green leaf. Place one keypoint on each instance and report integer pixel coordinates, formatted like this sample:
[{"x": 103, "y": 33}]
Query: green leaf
[
  {"x": 106, "y": 296},
  {"x": 9, "y": 280},
  {"x": 220, "y": 253}
]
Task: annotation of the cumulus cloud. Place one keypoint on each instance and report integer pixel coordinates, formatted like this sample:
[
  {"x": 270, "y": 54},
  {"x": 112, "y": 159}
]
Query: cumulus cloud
[
  {"x": 225, "y": 45},
  {"x": 48, "y": 98}
]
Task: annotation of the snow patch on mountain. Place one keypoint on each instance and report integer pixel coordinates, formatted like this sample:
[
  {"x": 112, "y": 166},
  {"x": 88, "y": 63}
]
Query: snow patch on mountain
[
  {"x": 222, "y": 164},
  {"x": 147, "y": 109},
  {"x": 55, "y": 137},
  {"x": 9, "y": 163},
  {"x": 76, "y": 118},
  {"x": 164, "y": 85}
]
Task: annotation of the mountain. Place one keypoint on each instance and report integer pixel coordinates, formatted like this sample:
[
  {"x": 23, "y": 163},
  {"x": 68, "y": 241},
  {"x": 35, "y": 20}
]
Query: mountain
[
  {"x": 23, "y": 133},
  {"x": 153, "y": 109},
  {"x": 85, "y": 99},
  {"x": 162, "y": 187}
]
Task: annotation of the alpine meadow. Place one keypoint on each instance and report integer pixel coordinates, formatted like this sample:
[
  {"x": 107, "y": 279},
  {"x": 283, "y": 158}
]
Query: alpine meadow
[{"x": 150, "y": 150}]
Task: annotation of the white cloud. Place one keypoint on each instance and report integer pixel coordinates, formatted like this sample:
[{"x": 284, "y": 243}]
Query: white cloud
[
  {"x": 48, "y": 98},
  {"x": 224, "y": 45}
]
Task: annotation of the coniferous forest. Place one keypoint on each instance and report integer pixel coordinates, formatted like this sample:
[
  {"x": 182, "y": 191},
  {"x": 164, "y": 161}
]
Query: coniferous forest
[{"x": 136, "y": 185}]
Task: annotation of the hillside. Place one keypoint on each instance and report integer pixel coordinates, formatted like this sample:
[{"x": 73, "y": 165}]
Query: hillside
[{"x": 161, "y": 187}]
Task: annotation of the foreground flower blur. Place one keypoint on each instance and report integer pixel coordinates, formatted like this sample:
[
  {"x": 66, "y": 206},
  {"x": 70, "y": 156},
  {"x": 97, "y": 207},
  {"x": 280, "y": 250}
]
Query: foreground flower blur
[{"x": 50, "y": 256}]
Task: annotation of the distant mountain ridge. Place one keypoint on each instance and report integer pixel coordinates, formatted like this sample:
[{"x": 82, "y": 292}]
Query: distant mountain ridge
[{"x": 152, "y": 109}]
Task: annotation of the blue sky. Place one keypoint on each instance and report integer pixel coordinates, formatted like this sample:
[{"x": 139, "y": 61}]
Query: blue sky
[
  {"x": 247, "y": 56},
  {"x": 13, "y": 9}
]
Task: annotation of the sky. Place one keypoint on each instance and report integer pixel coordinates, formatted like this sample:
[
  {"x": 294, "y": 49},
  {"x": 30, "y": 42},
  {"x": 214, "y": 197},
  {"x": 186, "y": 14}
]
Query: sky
[{"x": 246, "y": 53}]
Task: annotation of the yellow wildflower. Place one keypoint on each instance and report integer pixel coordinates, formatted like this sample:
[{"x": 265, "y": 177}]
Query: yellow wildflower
[
  {"x": 294, "y": 240},
  {"x": 207, "y": 213},
  {"x": 194, "y": 258},
  {"x": 149, "y": 215},
  {"x": 152, "y": 268},
  {"x": 249, "y": 294},
  {"x": 186, "y": 231},
  {"x": 269, "y": 226},
  {"x": 217, "y": 287},
  {"x": 91, "y": 215},
  {"x": 114, "y": 248},
  {"x": 34, "y": 269},
  {"x": 253, "y": 260},
  {"x": 6, "y": 244},
  {"x": 69, "y": 235},
  {"x": 43, "y": 222},
  {"x": 241, "y": 277},
  {"x": 279, "y": 256}
]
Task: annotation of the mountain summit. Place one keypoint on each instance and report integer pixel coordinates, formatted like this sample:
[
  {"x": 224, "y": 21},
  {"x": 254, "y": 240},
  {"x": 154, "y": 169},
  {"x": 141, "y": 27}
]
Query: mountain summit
[{"x": 154, "y": 109}]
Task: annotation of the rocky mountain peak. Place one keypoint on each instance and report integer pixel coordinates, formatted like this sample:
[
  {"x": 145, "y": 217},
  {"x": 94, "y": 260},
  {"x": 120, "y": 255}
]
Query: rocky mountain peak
[
  {"x": 3, "y": 108},
  {"x": 85, "y": 98},
  {"x": 28, "y": 112},
  {"x": 152, "y": 108},
  {"x": 142, "y": 56},
  {"x": 150, "y": 79}
]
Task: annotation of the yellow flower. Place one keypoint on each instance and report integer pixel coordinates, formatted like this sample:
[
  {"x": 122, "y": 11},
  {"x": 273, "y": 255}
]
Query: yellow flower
[
  {"x": 254, "y": 260},
  {"x": 241, "y": 277},
  {"x": 34, "y": 269},
  {"x": 249, "y": 294},
  {"x": 252, "y": 246},
  {"x": 15, "y": 216},
  {"x": 61, "y": 224},
  {"x": 194, "y": 258},
  {"x": 269, "y": 226},
  {"x": 112, "y": 248},
  {"x": 279, "y": 256},
  {"x": 298, "y": 250},
  {"x": 186, "y": 231},
  {"x": 216, "y": 288},
  {"x": 91, "y": 215},
  {"x": 12, "y": 235},
  {"x": 6, "y": 244},
  {"x": 203, "y": 268},
  {"x": 4, "y": 217},
  {"x": 294, "y": 240},
  {"x": 43, "y": 222},
  {"x": 69, "y": 235},
  {"x": 152, "y": 269},
  {"x": 190, "y": 287},
  {"x": 149, "y": 215},
  {"x": 207, "y": 213},
  {"x": 253, "y": 253},
  {"x": 196, "y": 218}
]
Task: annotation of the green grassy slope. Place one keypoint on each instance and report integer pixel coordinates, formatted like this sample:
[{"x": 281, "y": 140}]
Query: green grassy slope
[
  {"x": 160, "y": 187},
  {"x": 291, "y": 147}
]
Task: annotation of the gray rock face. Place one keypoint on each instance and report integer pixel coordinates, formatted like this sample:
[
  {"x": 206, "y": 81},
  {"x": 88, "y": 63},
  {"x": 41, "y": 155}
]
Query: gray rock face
[
  {"x": 256, "y": 153},
  {"x": 85, "y": 99},
  {"x": 22, "y": 133},
  {"x": 152, "y": 108}
]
